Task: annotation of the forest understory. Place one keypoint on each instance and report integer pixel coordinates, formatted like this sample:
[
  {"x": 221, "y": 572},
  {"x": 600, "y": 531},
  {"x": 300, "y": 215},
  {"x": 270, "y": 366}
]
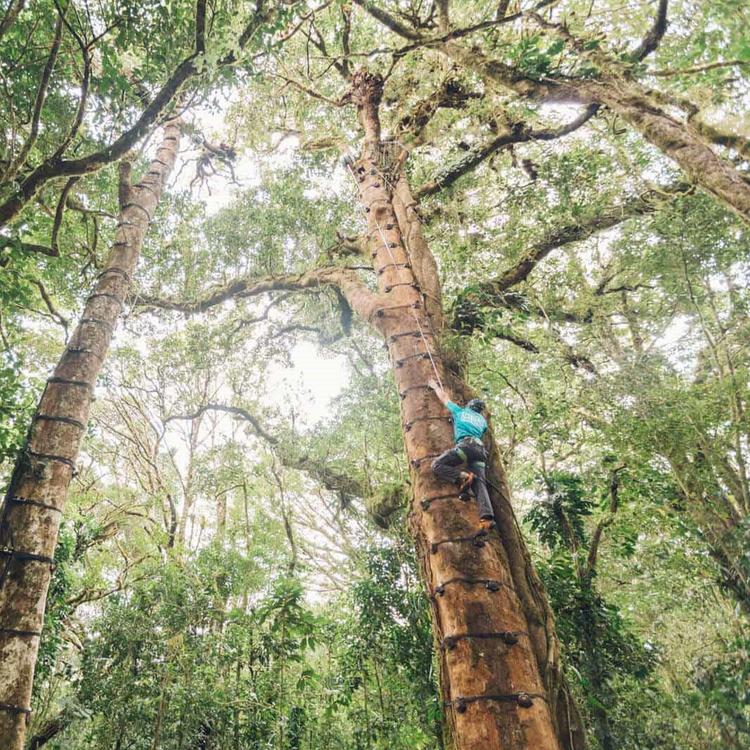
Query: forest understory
[{"x": 244, "y": 247}]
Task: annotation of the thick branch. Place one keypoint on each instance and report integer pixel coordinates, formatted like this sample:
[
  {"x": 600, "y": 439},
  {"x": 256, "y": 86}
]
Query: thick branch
[
  {"x": 200, "y": 26},
  {"x": 518, "y": 133},
  {"x": 656, "y": 32},
  {"x": 52, "y": 168},
  {"x": 361, "y": 299},
  {"x": 388, "y": 20}
]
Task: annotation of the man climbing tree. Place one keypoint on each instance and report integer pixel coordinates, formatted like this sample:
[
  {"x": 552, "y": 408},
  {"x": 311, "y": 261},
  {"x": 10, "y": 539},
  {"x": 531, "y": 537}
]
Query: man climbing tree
[{"x": 469, "y": 425}]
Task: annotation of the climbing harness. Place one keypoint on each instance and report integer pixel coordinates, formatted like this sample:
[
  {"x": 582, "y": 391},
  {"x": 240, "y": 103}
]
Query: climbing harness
[
  {"x": 478, "y": 540},
  {"x": 523, "y": 699},
  {"x": 508, "y": 637},
  {"x": 488, "y": 583}
]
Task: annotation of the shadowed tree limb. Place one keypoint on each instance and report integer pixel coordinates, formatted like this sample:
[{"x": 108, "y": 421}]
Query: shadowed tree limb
[
  {"x": 517, "y": 133},
  {"x": 50, "y": 729},
  {"x": 652, "y": 40}
]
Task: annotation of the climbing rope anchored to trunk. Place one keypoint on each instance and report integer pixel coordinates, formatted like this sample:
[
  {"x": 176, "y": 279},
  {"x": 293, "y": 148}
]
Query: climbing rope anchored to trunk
[{"x": 468, "y": 422}]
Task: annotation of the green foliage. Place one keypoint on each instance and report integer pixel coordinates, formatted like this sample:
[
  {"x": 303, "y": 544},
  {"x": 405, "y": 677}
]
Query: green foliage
[
  {"x": 558, "y": 520},
  {"x": 217, "y": 589}
]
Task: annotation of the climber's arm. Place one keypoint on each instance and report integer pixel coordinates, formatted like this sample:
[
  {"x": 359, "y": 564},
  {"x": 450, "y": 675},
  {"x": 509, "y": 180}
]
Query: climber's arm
[{"x": 439, "y": 392}]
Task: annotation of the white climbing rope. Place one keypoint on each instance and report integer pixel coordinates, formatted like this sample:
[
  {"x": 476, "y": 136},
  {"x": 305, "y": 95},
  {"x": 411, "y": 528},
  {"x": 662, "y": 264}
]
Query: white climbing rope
[{"x": 387, "y": 246}]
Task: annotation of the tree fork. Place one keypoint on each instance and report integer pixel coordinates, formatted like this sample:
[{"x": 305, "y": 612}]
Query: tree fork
[
  {"x": 33, "y": 505},
  {"x": 493, "y": 689}
]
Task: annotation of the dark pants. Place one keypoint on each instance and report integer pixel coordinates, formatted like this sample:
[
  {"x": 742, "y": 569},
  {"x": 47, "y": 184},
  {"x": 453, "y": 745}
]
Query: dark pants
[{"x": 466, "y": 455}]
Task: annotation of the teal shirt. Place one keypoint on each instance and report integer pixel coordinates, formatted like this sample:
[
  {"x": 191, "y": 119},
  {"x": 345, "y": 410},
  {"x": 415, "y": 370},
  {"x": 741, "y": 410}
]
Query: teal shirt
[{"x": 466, "y": 422}]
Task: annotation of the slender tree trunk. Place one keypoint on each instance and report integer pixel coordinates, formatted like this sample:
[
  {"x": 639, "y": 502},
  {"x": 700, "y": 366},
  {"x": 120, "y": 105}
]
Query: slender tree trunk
[
  {"x": 34, "y": 502},
  {"x": 489, "y": 613}
]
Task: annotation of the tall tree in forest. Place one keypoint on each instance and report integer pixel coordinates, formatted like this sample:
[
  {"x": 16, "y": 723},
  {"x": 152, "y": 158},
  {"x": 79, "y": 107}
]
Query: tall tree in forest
[{"x": 38, "y": 488}]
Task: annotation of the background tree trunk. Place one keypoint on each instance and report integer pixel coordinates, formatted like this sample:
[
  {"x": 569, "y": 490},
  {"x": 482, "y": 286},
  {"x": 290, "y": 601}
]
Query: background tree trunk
[{"x": 33, "y": 505}]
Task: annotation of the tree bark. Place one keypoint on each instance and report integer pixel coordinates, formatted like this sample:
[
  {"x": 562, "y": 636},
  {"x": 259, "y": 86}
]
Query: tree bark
[
  {"x": 499, "y": 668},
  {"x": 33, "y": 505}
]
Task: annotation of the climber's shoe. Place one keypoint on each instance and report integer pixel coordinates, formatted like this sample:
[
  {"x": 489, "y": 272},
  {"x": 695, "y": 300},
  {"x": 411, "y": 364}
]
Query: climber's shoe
[{"x": 487, "y": 524}]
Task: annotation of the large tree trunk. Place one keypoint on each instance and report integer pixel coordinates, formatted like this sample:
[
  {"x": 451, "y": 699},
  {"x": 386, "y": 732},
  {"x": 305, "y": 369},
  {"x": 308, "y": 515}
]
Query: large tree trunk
[
  {"x": 500, "y": 676},
  {"x": 35, "y": 499},
  {"x": 678, "y": 140}
]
